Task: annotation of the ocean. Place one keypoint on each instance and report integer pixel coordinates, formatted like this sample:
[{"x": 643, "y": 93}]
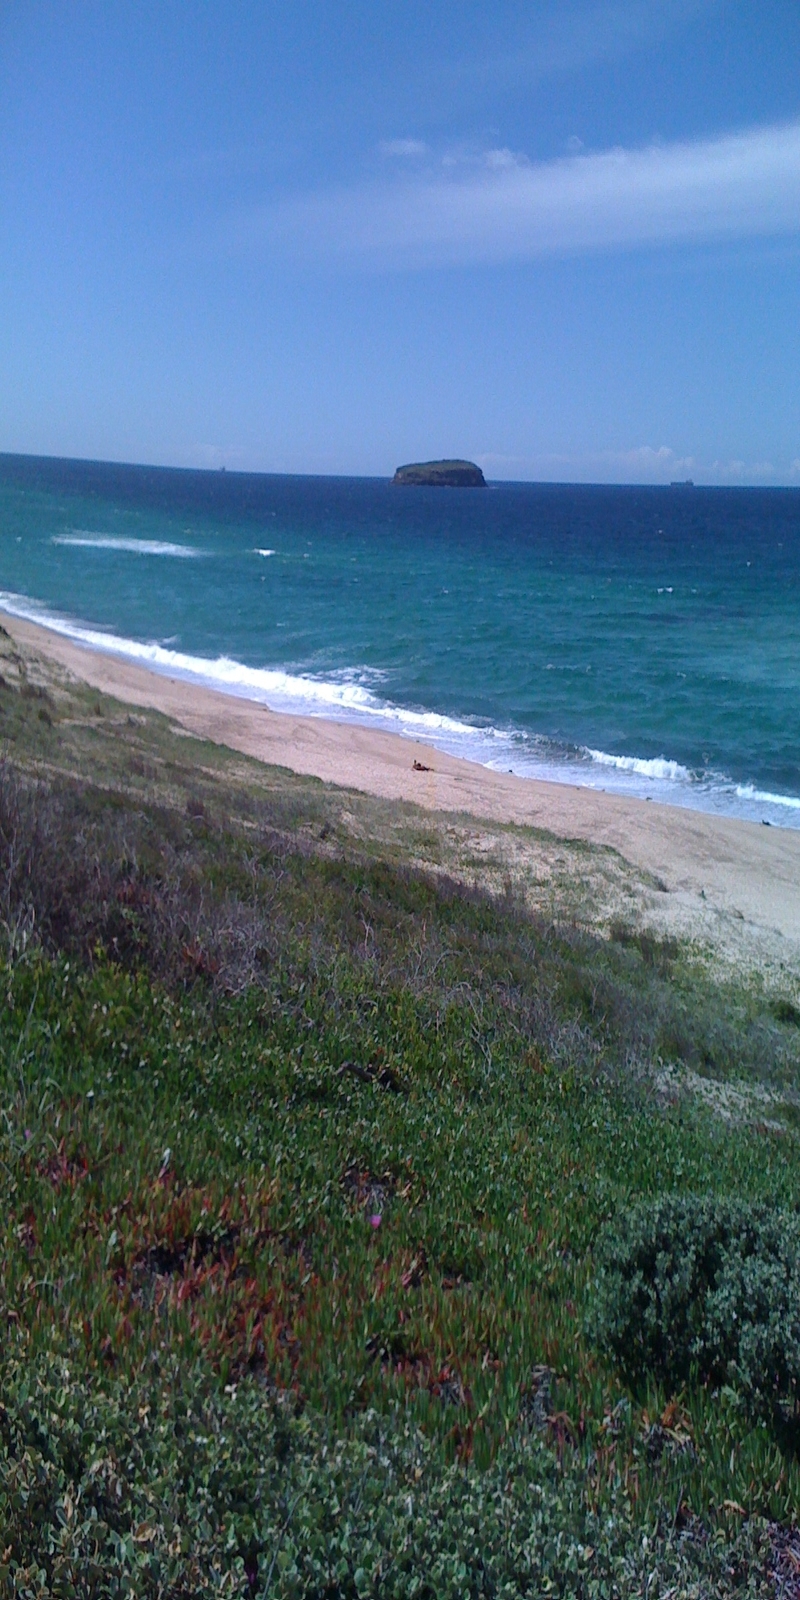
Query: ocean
[{"x": 644, "y": 641}]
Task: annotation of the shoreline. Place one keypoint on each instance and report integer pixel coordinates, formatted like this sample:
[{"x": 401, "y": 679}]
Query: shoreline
[
  {"x": 717, "y": 867},
  {"x": 659, "y": 779}
]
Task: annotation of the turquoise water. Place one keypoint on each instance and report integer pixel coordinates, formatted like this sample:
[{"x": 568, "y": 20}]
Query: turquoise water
[{"x": 645, "y": 640}]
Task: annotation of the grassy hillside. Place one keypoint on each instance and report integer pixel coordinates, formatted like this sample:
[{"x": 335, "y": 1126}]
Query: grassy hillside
[{"x": 304, "y": 1156}]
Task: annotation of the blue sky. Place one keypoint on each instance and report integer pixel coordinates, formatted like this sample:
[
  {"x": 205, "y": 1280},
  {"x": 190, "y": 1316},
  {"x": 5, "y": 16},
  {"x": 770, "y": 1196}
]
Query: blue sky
[{"x": 560, "y": 238}]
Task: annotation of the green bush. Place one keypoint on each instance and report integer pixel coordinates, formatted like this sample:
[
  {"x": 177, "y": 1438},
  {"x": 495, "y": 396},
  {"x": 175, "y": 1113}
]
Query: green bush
[{"x": 695, "y": 1287}]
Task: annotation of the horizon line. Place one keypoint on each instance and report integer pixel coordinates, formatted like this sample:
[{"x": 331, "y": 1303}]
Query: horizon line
[{"x": 376, "y": 477}]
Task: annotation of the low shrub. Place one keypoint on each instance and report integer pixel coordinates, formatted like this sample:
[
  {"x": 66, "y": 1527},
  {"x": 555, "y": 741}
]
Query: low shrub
[
  {"x": 692, "y": 1287},
  {"x": 168, "y": 1489}
]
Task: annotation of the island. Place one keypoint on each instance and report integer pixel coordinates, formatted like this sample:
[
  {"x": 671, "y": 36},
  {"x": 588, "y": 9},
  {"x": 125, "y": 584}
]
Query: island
[{"x": 441, "y": 475}]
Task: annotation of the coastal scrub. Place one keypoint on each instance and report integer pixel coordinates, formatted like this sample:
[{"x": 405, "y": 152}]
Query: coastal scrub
[{"x": 305, "y": 1154}]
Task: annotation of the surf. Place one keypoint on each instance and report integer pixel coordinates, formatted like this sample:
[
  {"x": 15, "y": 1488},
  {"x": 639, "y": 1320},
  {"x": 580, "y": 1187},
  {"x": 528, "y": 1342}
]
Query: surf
[{"x": 137, "y": 547}]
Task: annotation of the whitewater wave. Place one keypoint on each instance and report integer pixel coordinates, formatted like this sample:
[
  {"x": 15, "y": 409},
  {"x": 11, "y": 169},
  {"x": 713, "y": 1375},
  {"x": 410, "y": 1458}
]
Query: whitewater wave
[
  {"x": 139, "y": 547},
  {"x": 349, "y": 696},
  {"x": 343, "y": 694},
  {"x": 659, "y": 767},
  {"x": 746, "y": 791},
  {"x": 265, "y": 552}
]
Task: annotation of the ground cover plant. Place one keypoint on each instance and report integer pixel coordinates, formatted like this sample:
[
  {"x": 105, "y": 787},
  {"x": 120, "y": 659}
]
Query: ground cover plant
[
  {"x": 690, "y": 1286},
  {"x": 304, "y": 1159}
]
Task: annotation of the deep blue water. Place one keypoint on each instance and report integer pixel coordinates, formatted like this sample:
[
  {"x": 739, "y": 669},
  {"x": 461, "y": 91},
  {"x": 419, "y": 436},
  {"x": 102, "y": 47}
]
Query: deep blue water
[{"x": 644, "y": 639}]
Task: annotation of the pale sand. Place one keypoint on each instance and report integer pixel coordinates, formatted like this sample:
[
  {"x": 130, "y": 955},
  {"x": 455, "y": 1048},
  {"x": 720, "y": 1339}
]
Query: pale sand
[{"x": 731, "y": 883}]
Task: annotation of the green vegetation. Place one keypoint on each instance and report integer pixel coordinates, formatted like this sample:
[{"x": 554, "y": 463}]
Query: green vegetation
[
  {"x": 304, "y": 1156},
  {"x": 706, "y": 1289}
]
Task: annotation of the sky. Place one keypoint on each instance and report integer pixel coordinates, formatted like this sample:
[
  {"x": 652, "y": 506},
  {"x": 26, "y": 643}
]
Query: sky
[{"x": 560, "y": 238}]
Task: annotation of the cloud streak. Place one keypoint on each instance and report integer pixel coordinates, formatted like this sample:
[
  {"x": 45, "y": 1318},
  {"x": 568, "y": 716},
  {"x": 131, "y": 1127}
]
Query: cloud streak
[
  {"x": 565, "y": 37},
  {"x": 403, "y": 147},
  {"x": 506, "y": 208},
  {"x": 645, "y": 464}
]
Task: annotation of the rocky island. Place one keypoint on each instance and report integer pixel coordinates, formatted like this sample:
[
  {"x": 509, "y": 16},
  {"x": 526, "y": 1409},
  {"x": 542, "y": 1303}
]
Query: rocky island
[{"x": 441, "y": 475}]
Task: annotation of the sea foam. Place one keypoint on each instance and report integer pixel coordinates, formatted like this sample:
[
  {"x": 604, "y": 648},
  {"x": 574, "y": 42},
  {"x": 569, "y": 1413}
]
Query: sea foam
[{"x": 138, "y": 547}]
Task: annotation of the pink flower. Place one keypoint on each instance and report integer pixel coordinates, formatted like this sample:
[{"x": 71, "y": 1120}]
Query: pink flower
[{"x": 375, "y": 1220}]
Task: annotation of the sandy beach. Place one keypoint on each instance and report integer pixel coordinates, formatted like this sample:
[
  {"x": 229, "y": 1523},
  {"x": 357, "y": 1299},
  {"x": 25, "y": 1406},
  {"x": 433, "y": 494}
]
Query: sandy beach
[{"x": 717, "y": 878}]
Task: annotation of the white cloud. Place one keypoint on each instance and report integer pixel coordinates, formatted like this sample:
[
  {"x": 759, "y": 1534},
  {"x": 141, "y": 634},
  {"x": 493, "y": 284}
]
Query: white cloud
[
  {"x": 643, "y": 464},
  {"x": 503, "y": 160},
  {"x": 403, "y": 147},
  {"x": 644, "y": 455},
  {"x": 737, "y": 471},
  {"x": 506, "y": 208}
]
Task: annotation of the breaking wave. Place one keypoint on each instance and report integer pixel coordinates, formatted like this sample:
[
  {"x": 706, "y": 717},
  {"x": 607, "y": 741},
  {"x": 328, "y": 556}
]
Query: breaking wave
[
  {"x": 747, "y": 791},
  {"x": 138, "y": 547},
  {"x": 659, "y": 767}
]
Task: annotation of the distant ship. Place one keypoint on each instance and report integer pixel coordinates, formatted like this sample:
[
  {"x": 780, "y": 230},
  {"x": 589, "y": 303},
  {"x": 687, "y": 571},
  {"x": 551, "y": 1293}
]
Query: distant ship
[{"x": 682, "y": 483}]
